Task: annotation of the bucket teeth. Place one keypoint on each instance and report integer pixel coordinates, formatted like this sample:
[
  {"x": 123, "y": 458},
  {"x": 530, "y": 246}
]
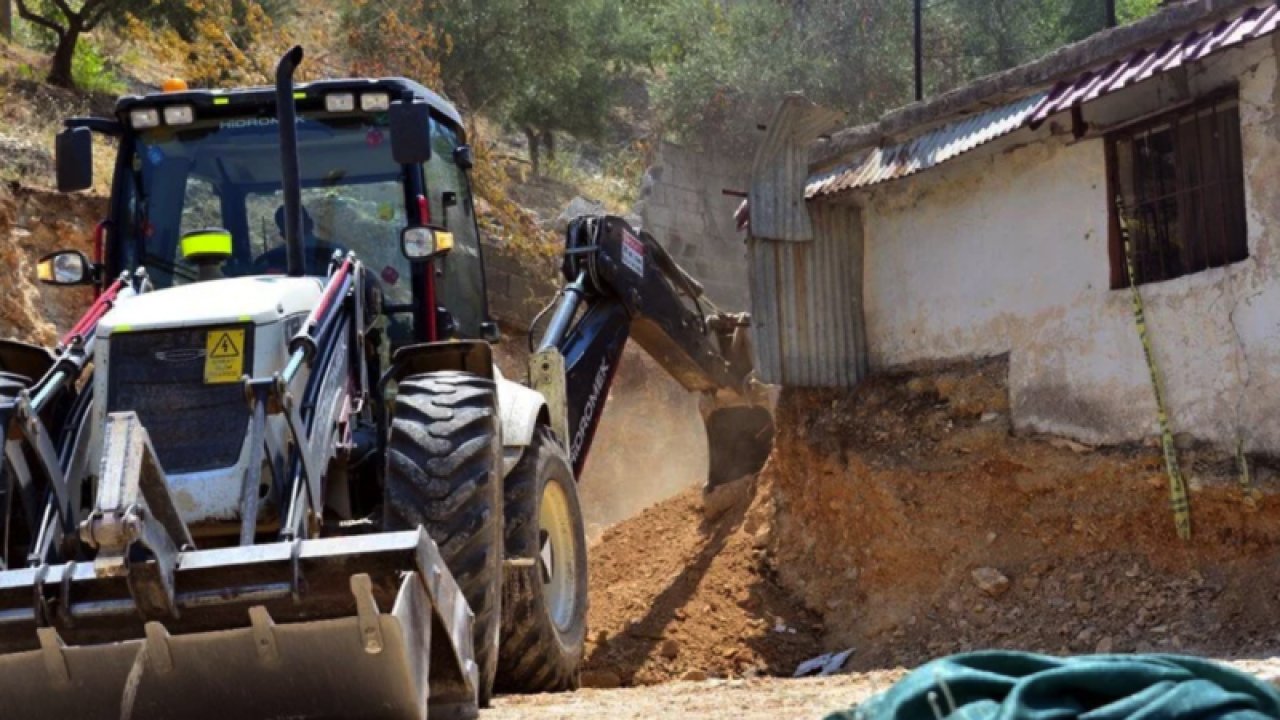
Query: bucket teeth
[
  {"x": 367, "y": 613},
  {"x": 55, "y": 662}
]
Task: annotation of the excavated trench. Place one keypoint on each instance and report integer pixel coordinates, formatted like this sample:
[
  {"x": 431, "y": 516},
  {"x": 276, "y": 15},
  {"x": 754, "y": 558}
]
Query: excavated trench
[{"x": 905, "y": 520}]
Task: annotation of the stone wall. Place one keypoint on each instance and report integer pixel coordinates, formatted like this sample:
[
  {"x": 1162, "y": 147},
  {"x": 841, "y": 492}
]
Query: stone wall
[
  {"x": 519, "y": 283},
  {"x": 683, "y": 206}
]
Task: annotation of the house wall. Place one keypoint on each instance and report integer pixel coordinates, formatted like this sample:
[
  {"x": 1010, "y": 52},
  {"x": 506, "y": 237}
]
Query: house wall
[
  {"x": 1005, "y": 251},
  {"x": 682, "y": 204}
]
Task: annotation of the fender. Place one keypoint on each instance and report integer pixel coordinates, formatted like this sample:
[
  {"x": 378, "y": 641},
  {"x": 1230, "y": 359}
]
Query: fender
[
  {"x": 470, "y": 356},
  {"x": 522, "y": 410}
]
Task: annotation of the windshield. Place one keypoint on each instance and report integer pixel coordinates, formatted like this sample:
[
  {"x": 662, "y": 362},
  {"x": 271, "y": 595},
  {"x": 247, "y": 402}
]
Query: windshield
[{"x": 226, "y": 174}]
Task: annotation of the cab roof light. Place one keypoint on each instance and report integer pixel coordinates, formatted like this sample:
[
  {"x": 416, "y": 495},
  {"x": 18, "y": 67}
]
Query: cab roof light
[
  {"x": 375, "y": 102},
  {"x": 174, "y": 84},
  {"x": 179, "y": 115},
  {"x": 340, "y": 102},
  {"x": 144, "y": 118}
]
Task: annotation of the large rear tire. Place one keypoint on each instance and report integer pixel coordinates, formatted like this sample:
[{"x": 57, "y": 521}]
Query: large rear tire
[
  {"x": 544, "y": 603},
  {"x": 443, "y": 458}
]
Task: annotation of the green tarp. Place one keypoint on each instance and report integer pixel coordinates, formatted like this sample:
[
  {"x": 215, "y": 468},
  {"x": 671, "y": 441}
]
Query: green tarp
[{"x": 996, "y": 685}]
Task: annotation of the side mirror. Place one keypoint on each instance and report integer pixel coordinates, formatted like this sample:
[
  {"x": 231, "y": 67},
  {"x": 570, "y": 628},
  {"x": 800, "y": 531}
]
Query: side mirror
[
  {"x": 65, "y": 267},
  {"x": 74, "y": 159},
  {"x": 463, "y": 157},
  {"x": 425, "y": 243},
  {"x": 410, "y": 132},
  {"x": 490, "y": 333}
]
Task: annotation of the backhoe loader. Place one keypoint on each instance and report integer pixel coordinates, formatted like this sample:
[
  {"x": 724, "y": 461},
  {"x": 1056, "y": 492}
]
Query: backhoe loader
[{"x": 273, "y": 470}]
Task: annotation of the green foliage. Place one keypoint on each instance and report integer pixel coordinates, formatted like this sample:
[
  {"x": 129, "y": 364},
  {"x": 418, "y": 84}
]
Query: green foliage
[
  {"x": 968, "y": 38},
  {"x": 91, "y": 71},
  {"x": 540, "y": 66},
  {"x": 727, "y": 65},
  {"x": 723, "y": 66}
]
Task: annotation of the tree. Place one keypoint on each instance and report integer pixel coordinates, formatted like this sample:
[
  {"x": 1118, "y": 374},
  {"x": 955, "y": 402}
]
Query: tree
[
  {"x": 67, "y": 23},
  {"x": 213, "y": 42},
  {"x": 540, "y": 66}
]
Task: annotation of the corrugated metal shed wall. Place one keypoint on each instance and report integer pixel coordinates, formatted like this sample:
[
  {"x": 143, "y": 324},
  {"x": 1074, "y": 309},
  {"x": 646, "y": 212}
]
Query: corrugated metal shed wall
[
  {"x": 781, "y": 167},
  {"x": 806, "y": 302}
]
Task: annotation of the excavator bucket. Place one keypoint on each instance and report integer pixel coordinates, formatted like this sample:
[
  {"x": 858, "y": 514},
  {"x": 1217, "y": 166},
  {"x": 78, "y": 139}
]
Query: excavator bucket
[
  {"x": 369, "y": 626},
  {"x": 739, "y": 440}
]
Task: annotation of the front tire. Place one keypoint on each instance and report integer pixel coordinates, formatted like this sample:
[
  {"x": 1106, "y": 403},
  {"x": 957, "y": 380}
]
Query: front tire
[
  {"x": 544, "y": 603},
  {"x": 443, "y": 458}
]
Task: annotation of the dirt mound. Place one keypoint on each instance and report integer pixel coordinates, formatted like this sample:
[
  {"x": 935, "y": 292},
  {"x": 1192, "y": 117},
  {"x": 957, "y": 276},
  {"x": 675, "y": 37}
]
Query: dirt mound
[
  {"x": 911, "y": 519},
  {"x": 673, "y": 596}
]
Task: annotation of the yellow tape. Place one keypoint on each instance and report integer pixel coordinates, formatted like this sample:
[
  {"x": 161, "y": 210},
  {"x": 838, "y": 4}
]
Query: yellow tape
[{"x": 1177, "y": 486}]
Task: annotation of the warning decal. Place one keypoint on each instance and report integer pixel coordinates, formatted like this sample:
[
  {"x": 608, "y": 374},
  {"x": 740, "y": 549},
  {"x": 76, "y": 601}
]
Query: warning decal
[
  {"x": 632, "y": 253},
  {"x": 223, "y": 356}
]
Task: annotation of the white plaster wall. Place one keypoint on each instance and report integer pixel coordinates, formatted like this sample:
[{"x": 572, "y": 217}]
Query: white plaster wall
[{"x": 1006, "y": 252}]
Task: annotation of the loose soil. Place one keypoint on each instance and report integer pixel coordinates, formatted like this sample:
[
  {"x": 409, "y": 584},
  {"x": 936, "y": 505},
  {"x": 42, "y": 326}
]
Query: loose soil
[
  {"x": 898, "y": 503},
  {"x": 905, "y": 520},
  {"x": 672, "y": 594}
]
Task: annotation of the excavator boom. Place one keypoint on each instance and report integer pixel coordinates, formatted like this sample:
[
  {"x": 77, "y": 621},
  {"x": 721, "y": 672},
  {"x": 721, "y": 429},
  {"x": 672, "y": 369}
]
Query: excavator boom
[{"x": 622, "y": 284}]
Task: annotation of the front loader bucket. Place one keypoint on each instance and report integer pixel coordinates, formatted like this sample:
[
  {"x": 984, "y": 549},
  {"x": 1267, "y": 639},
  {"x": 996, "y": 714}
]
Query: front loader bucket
[{"x": 362, "y": 627}]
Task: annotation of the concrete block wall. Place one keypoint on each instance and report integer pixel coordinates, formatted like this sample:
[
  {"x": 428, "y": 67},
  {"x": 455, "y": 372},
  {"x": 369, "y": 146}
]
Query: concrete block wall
[
  {"x": 519, "y": 284},
  {"x": 683, "y": 206}
]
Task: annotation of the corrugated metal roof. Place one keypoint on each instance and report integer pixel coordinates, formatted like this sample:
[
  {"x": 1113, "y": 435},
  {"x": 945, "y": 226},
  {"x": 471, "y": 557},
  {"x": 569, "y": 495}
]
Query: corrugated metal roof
[
  {"x": 926, "y": 151},
  {"x": 938, "y": 146},
  {"x": 1143, "y": 64}
]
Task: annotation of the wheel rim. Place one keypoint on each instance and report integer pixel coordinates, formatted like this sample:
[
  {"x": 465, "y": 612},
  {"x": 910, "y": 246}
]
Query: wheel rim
[{"x": 557, "y": 555}]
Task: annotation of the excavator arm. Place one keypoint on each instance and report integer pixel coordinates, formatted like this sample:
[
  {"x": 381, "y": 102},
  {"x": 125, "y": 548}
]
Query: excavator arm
[{"x": 622, "y": 284}]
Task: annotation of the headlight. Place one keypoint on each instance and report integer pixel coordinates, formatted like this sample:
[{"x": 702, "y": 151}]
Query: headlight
[
  {"x": 144, "y": 118},
  {"x": 340, "y": 102},
  {"x": 179, "y": 115},
  {"x": 375, "y": 102}
]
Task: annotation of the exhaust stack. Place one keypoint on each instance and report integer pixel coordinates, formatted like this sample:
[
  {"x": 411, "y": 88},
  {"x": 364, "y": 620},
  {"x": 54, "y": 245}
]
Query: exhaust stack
[{"x": 290, "y": 176}]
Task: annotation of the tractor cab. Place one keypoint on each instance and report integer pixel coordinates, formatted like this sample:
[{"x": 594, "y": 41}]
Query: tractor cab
[{"x": 197, "y": 194}]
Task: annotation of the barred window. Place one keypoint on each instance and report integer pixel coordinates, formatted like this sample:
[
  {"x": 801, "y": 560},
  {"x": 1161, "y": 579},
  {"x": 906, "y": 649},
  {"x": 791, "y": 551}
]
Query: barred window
[{"x": 1182, "y": 180}]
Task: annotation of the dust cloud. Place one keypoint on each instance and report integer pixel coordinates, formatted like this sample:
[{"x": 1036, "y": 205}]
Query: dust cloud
[{"x": 651, "y": 445}]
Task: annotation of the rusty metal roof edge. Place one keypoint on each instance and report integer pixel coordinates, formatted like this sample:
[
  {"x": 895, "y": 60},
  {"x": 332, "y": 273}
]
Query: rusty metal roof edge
[
  {"x": 1001, "y": 88},
  {"x": 882, "y": 164},
  {"x": 940, "y": 144}
]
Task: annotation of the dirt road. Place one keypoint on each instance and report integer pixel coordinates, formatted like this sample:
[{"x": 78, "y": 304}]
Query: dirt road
[
  {"x": 738, "y": 699},
  {"x": 761, "y": 699}
]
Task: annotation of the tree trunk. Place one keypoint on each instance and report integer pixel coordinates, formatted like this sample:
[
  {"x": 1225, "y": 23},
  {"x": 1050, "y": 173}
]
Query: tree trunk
[
  {"x": 535, "y": 156},
  {"x": 549, "y": 142},
  {"x": 60, "y": 67},
  {"x": 6, "y": 19}
]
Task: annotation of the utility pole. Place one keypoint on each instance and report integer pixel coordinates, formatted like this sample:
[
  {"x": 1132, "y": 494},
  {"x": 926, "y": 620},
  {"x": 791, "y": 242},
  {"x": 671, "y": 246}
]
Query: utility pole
[
  {"x": 919, "y": 47},
  {"x": 1111, "y": 13}
]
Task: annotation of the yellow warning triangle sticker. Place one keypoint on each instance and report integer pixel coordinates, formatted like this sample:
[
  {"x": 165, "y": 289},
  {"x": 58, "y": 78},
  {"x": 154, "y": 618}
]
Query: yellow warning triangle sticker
[{"x": 225, "y": 347}]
